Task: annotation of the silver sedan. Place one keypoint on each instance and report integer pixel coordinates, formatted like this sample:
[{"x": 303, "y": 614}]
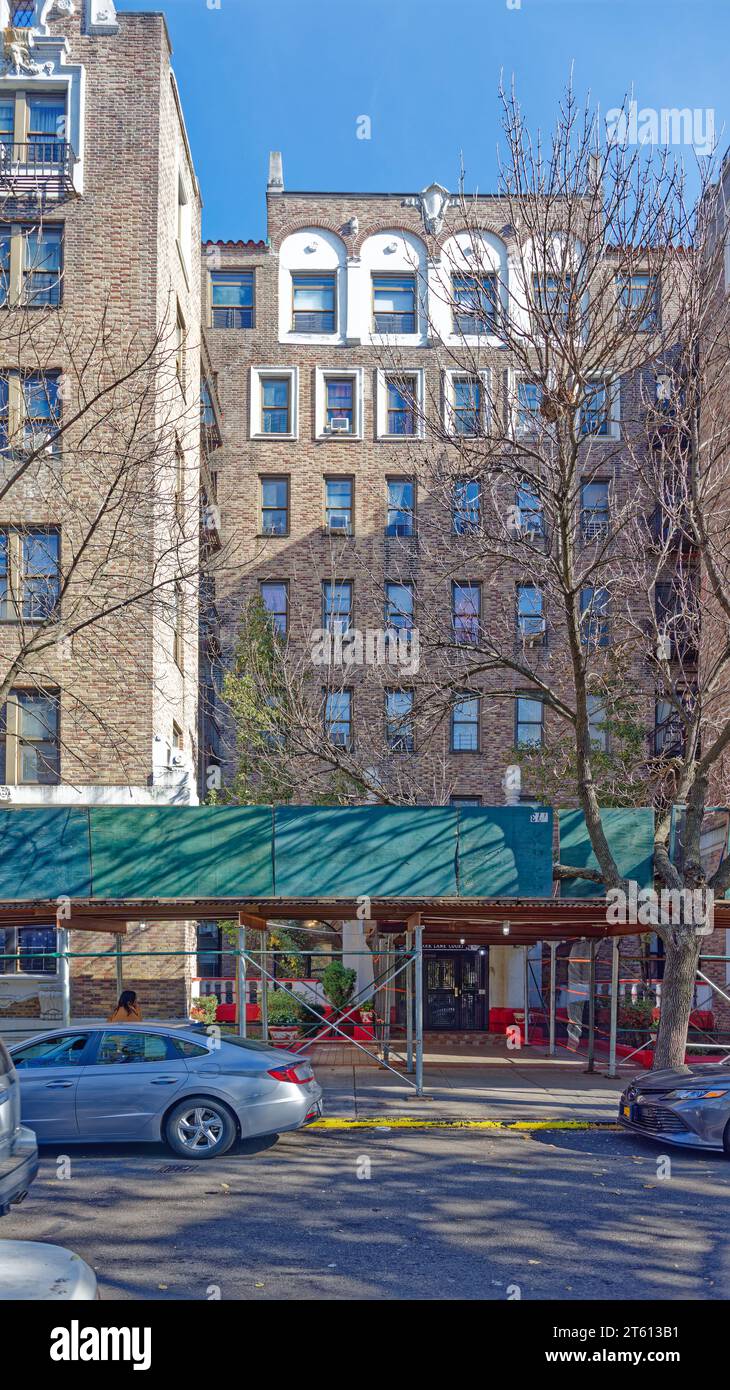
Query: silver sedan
[
  {"x": 690, "y": 1106},
  {"x": 146, "y": 1082}
]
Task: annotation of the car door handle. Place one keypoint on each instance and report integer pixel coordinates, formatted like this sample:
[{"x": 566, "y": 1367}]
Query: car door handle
[
  {"x": 58, "y": 1085},
  {"x": 164, "y": 1080}
]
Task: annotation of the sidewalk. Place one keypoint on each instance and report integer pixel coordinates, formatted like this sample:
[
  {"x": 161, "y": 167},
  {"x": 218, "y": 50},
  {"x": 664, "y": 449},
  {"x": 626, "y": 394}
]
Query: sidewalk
[{"x": 485, "y": 1085}]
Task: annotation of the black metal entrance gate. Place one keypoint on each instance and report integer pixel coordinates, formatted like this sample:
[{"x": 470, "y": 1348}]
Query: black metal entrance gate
[{"x": 456, "y": 996}]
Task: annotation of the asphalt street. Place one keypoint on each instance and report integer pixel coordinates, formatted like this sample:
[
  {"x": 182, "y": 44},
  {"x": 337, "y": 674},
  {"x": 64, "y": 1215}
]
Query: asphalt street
[{"x": 442, "y": 1214}]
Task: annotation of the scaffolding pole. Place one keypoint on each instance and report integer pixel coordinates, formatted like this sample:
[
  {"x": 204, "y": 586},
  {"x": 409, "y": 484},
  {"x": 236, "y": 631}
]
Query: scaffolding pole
[
  {"x": 264, "y": 985},
  {"x": 592, "y": 1006},
  {"x": 553, "y": 984},
  {"x": 65, "y": 974},
  {"x": 613, "y": 1033},
  {"x": 119, "y": 963},
  {"x": 241, "y": 982},
  {"x": 419, "y": 1010},
  {"x": 526, "y": 992},
  {"x": 409, "y": 1005}
]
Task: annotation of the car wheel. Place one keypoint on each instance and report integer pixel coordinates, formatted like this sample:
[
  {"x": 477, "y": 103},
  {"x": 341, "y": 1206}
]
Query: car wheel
[
  {"x": 200, "y": 1128},
  {"x": 726, "y": 1140}
]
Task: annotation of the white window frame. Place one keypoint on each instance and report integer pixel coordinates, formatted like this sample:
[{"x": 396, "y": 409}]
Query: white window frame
[
  {"x": 322, "y": 375},
  {"x": 453, "y": 374},
  {"x": 257, "y": 376},
  {"x": 381, "y": 404}
]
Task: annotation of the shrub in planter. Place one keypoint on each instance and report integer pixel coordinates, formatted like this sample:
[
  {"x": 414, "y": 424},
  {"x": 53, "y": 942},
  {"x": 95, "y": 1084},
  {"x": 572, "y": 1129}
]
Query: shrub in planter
[
  {"x": 284, "y": 1011},
  {"x": 204, "y": 1009},
  {"x": 338, "y": 983}
]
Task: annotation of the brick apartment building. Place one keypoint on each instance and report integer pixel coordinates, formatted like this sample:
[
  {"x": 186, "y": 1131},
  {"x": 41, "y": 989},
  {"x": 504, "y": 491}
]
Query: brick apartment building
[
  {"x": 100, "y": 224},
  {"x": 311, "y": 334}
]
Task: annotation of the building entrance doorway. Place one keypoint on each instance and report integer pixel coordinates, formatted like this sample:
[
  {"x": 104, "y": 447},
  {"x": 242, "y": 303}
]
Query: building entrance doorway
[{"x": 456, "y": 990}]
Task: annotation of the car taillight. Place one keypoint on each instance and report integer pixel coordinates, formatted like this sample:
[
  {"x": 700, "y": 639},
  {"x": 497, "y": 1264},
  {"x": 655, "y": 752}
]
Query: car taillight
[{"x": 296, "y": 1075}]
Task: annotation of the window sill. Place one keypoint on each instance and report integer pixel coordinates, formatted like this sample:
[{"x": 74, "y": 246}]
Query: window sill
[
  {"x": 272, "y": 535},
  {"x": 259, "y": 436},
  {"x": 349, "y": 436}
]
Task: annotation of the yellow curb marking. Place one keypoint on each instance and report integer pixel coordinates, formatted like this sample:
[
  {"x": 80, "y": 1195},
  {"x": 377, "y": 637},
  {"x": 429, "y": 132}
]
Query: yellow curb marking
[{"x": 383, "y": 1122}]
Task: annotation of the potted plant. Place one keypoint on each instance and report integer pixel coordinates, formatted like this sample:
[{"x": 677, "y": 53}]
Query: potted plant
[
  {"x": 366, "y": 1027},
  {"x": 338, "y": 983},
  {"x": 285, "y": 1016},
  {"x": 204, "y": 1009}
]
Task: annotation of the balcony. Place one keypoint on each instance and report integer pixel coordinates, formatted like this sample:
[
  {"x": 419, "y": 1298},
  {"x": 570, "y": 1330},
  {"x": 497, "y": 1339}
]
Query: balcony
[{"x": 38, "y": 168}]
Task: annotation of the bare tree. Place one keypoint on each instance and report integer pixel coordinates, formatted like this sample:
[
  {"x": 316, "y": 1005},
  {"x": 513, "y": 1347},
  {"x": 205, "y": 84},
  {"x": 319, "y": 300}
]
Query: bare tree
[{"x": 573, "y": 506}]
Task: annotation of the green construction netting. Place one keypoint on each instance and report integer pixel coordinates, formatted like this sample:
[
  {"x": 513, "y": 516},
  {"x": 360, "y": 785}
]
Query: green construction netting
[
  {"x": 303, "y": 851},
  {"x": 505, "y": 851},
  {"x": 182, "y": 852},
  {"x": 630, "y": 835},
  {"x": 44, "y": 853},
  {"x": 377, "y": 851}
]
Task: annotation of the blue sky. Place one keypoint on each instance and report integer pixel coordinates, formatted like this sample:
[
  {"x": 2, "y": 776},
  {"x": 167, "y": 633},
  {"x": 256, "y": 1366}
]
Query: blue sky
[{"x": 295, "y": 75}]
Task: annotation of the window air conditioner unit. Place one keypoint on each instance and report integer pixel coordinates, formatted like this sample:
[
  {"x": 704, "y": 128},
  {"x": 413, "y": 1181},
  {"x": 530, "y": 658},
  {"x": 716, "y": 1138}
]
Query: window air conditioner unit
[
  {"x": 664, "y": 647},
  {"x": 177, "y": 758},
  {"x": 340, "y": 424},
  {"x": 338, "y": 523}
]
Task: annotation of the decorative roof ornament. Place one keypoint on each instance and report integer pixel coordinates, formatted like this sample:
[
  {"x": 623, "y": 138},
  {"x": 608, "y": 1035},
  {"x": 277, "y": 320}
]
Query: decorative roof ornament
[{"x": 434, "y": 203}]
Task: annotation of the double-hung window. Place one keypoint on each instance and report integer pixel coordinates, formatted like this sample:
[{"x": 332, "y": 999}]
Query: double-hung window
[
  {"x": 29, "y": 573},
  {"x": 595, "y": 410},
  {"x": 399, "y": 720},
  {"x": 275, "y": 598},
  {"x": 594, "y": 621},
  {"x": 46, "y": 127},
  {"x": 398, "y": 607},
  {"x": 551, "y": 297},
  {"x": 42, "y": 410},
  {"x": 339, "y": 404},
  {"x": 276, "y": 405},
  {"x": 29, "y": 739},
  {"x": 638, "y": 300},
  {"x": 531, "y": 614},
  {"x": 529, "y": 400},
  {"x": 337, "y": 606},
  {"x": 475, "y": 304},
  {"x": 232, "y": 298},
  {"x": 402, "y": 405},
  {"x": 465, "y": 725},
  {"x": 313, "y": 303},
  {"x": 530, "y": 509},
  {"x": 597, "y": 726},
  {"x": 466, "y": 612},
  {"x": 338, "y": 505},
  {"x": 529, "y": 721},
  {"x": 338, "y": 717},
  {"x": 274, "y": 506},
  {"x": 594, "y": 509},
  {"x": 466, "y": 506},
  {"x": 467, "y": 406},
  {"x": 394, "y": 304},
  {"x": 401, "y": 502},
  {"x": 42, "y": 265}
]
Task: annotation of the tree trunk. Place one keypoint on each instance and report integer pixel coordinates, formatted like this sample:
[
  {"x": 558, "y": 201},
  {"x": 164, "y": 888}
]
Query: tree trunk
[{"x": 682, "y": 950}]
